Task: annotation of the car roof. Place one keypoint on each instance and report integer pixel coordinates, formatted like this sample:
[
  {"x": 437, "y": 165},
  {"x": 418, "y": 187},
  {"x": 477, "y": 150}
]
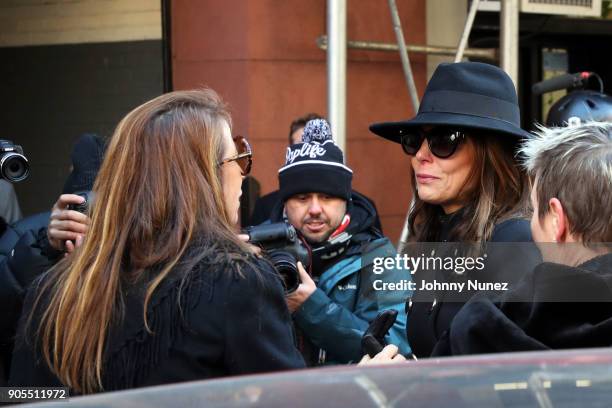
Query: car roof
[{"x": 542, "y": 379}]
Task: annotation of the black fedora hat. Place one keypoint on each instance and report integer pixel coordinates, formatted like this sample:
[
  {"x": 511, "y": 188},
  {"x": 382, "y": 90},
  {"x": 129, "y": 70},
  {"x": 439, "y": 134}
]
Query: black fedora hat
[{"x": 467, "y": 95}]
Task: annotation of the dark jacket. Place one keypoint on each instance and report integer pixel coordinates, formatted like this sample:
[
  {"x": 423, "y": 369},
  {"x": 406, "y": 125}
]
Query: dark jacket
[
  {"x": 25, "y": 253},
  {"x": 226, "y": 324},
  {"x": 553, "y": 307},
  {"x": 333, "y": 319},
  {"x": 21, "y": 260},
  {"x": 263, "y": 208},
  {"x": 430, "y": 315},
  {"x": 15, "y": 230}
]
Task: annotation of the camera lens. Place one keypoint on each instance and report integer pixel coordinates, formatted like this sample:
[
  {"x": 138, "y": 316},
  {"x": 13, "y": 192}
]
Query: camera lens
[
  {"x": 14, "y": 167},
  {"x": 286, "y": 266}
]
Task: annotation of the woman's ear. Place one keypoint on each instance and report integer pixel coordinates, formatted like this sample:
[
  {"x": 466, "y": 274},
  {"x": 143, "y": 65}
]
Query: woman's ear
[{"x": 559, "y": 220}]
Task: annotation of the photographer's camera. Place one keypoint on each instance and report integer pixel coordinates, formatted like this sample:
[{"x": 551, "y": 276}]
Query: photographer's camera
[
  {"x": 284, "y": 248},
  {"x": 14, "y": 166}
]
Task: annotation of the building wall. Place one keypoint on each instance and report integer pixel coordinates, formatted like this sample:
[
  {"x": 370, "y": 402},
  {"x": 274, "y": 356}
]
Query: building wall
[
  {"x": 262, "y": 57},
  {"x": 445, "y": 24},
  {"x": 70, "y": 67},
  {"x": 36, "y": 22}
]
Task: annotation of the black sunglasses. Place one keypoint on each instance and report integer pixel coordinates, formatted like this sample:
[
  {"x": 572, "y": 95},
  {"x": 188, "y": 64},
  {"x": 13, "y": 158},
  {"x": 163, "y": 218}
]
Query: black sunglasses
[
  {"x": 442, "y": 141},
  {"x": 244, "y": 158}
]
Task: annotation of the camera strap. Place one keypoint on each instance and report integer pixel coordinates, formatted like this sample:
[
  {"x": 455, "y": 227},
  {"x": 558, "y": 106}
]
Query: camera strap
[{"x": 332, "y": 248}]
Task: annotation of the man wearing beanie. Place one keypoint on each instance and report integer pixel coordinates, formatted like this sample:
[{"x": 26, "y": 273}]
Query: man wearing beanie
[{"x": 337, "y": 299}]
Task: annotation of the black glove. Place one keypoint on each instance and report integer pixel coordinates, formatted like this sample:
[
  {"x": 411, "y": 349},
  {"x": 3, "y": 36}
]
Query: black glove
[{"x": 373, "y": 340}]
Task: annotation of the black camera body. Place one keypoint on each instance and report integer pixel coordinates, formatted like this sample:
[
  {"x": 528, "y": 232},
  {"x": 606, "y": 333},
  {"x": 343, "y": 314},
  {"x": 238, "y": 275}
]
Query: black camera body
[
  {"x": 14, "y": 166},
  {"x": 84, "y": 206},
  {"x": 284, "y": 248}
]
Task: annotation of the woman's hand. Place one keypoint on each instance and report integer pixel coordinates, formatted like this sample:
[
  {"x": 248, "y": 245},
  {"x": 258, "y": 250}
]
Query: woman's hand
[
  {"x": 66, "y": 227},
  {"x": 388, "y": 355},
  {"x": 245, "y": 238}
]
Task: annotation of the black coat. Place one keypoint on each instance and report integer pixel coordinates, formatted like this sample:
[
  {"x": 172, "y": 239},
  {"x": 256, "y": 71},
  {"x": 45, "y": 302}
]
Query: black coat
[
  {"x": 14, "y": 231},
  {"x": 229, "y": 325},
  {"x": 25, "y": 253},
  {"x": 429, "y": 320},
  {"x": 553, "y": 307}
]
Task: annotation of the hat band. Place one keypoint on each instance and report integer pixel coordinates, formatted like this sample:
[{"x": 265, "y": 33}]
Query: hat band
[
  {"x": 465, "y": 103},
  {"x": 315, "y": 162},
  {"x": 333, "y": 181}
]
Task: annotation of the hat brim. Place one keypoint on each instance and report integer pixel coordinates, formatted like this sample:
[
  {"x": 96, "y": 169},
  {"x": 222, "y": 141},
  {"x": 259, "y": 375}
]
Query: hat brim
[{"x": 392, "y": 130}]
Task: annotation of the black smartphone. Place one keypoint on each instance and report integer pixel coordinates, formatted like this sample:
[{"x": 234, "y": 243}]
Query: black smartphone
[
  {"x": 84, "y": 206},
  {"x": 373, "y": 340}
]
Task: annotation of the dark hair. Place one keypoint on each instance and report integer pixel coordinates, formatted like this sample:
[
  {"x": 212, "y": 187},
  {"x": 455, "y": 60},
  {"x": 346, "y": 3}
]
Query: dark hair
[
  {"x": 501, "y": 192},
  {"x": 301, "y": 122},
  {"x": 86, "y": 156}
]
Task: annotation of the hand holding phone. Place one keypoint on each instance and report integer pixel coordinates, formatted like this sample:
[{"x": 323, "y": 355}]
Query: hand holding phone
[{"x": 373, "y": 340}]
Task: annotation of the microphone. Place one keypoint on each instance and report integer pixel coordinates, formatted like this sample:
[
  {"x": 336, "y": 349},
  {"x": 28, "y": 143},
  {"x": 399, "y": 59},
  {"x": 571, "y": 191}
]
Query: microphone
[{"x": 561, "y": 82}]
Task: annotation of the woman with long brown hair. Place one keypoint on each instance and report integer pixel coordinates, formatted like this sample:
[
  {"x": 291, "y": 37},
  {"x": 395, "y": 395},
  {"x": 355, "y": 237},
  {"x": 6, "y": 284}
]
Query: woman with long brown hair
[
  {"x": 162, "y": 290},
  {"x": 468, "y": 187}
]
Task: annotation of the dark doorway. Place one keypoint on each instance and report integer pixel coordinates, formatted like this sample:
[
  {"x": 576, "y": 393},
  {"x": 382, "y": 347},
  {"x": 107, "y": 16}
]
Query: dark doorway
[
  {"x": 52, "y": 94},
  {"x": 586, "y": 41}
]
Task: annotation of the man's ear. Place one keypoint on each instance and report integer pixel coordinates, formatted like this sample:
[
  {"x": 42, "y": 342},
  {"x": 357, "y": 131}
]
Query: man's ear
[{"x": 559, "y": 220}]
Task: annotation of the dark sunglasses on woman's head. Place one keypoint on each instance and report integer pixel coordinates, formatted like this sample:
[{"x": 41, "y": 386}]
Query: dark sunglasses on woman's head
[
  {"x": 442, "y": 141},
  {"x": 244, "y": 158}
]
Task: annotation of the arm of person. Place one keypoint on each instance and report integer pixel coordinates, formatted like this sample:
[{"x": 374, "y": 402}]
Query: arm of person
[
  {"x": 258, "y": 331},
  {"x": 17, "y": 271},
  {"x": 28, "y": 368},
  {"x": 379, "y": 298},
  {"x": 11, "y": 293}
]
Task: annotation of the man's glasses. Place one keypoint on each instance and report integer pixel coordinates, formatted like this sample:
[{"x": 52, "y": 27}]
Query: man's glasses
[
  {"x": 244, "y": 158},
  {"x": 442, "y": 141}
]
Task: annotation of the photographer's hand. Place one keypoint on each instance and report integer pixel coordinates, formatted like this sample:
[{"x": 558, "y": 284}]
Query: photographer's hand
[
  {"x": 65, "y": 225},
  {"x": 303, "y": 292}
]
